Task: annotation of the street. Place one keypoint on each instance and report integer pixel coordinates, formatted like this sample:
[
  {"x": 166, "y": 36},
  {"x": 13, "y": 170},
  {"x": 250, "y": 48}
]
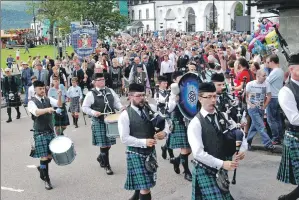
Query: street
[{"x": 84, "y": 179}]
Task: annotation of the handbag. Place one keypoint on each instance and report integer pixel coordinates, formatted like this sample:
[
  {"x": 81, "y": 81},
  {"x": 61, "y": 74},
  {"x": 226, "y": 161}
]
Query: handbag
[
  {"x": 222, "y": 180},
  {"x": 151, "y": 164}
]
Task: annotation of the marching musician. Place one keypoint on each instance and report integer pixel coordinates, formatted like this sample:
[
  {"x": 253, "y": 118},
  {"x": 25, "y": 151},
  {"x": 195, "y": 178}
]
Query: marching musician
[
  {"x": 61, "y": 119},
  {"x": 160, "y": 97},
  {"x": 138, "y": 134},
  {"x": 99, "y": 101},
  {"x": 42, "y": 108},
  {"x": 12, "y": 88},
  {"x": 211, "y": 149},
  {"x": 178, "y": 138},
  {"x": 116, "y": 73},
  {"x": 288, "y": 98},
  {"x": 74, "y": 93}
]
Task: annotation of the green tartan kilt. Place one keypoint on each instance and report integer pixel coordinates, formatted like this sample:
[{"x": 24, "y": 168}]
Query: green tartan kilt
[
  {"x": 204, "y": 186},
  {"x": 288, "y": 171},
  {"x": 178, "y": 138},
  {"x": 61, "y": 119},
  {"x": 138, "y": 178},
  {"x": 99, "y": 137},
  {"x": 41, "y": 142}
]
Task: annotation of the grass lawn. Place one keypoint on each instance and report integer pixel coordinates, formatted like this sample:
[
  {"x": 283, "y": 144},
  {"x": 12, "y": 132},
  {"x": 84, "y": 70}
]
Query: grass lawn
[{"x": 39, "y": 50}]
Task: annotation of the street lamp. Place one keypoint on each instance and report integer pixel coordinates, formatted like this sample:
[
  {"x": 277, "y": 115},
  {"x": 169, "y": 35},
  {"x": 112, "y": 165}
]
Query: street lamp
[
  {"x": 33, "y": 4},
  {"x": 213, "y": 17}
]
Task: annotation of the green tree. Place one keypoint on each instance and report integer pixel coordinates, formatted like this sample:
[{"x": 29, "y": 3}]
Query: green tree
[
  {"x": 239, "y": 9},
  {"x": 52, "y": 10},
  {"x": 102, "y": 12}
]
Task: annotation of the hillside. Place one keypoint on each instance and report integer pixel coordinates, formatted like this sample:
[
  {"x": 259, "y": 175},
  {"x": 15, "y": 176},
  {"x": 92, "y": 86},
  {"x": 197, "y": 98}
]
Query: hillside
[{"x": 11, "y": 19}]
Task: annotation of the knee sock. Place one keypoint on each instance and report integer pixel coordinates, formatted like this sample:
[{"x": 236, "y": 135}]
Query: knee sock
[
  {"x": 43, "y": 167},
  {"x": 105, "y": 156},
  {"x": 9, "y": 112},
  {"x": 135, "y": 195},
  {"x": 294, "y": 194},
  {"x": 147, "y": 196},
  {"x": 184, "y": 161},
  {"x": 170, "y": 152},
  {"x": 18, "y": 110}
]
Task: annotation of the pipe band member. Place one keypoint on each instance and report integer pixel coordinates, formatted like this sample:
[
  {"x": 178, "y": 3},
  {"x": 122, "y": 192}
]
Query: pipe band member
[
  {"x": 288, "y": 98},
  {"x": 12, "y": 88},
  {"x": 61, "y": 119},
  {"x": 211, "y": 149},
  {"x": 42, "y": 108},
  {"x": 75, "y": 96},
  {"x": 178, "y": 138},
  {"x": 101, "y": 99},
  {"x": 138, "y": 134}
]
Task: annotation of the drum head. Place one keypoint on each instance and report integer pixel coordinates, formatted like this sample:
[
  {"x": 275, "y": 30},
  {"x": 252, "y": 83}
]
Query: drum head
[
  {"x": 60, "y": 144},
  {"x": 112, "y": 118},
  {"x": 188, "y": 103}
]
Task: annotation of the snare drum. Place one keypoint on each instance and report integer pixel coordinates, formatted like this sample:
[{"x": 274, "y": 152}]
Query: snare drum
[
  {"x": 112, "y": 125},
  {"x": 63, "y": 151}
]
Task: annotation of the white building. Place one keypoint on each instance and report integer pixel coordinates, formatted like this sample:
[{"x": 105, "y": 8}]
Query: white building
[{"x": 188, "y": 16}]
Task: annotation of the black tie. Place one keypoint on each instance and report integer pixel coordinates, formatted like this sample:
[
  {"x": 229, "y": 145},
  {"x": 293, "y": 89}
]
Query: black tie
[
  {"x": 142, "y": 115},
  {"x": 43, "y": 102},
  {"x": 212, "y": 117}
]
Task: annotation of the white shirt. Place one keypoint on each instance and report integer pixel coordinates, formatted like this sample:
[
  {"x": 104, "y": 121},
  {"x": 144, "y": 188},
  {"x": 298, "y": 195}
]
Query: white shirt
[
  {"x": 161, "y": 99},
  {"x": 74, "y": 92},
  {"x": 166, "y": 67},
  {"x": 32, "y": 106},
  {"x": 89, "y": 100},
  {"x": 131, "y": 75},
  {"x": 288, "y": 104},
  {"x": 31, "y": 92},
  {"x": 172, "y": 103},
  {"x": 124, "y": 130},
  {"x": 194, "y": 133}
]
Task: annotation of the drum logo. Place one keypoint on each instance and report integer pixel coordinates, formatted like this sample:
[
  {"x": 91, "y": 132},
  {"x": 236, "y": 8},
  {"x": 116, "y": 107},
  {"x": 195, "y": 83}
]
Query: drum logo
[{"x": 192, "y": 97}]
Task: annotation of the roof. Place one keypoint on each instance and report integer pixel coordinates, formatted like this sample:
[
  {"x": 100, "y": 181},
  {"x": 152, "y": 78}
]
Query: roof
[
  {"x": 136, "y": 24},
  {"x": 276, "y": 4}
]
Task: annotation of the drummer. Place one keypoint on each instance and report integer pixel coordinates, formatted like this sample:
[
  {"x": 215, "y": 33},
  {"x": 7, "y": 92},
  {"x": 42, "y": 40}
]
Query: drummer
[
  {"x": 178, "y": 138},
  {"x": 42, "y": 108},
  {"x": 99, "y": 101}
]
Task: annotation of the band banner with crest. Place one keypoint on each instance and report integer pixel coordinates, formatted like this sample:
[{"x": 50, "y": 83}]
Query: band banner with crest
[{"x": 84, "y": 40}]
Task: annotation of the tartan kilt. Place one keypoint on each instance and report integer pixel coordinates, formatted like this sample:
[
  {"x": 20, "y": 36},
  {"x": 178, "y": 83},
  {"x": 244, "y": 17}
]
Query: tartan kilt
[
  {"x": 138, "y": 178},
  {"x": 74, "y": 105},
  {"x": 41, "y": 143},
  {"x": 61, "y": 119},
  {"x": 288, "y": 171},
  {"x": 99, "y": 137},
  {"x": 178, "y": 138},
  {"x": 13, "y": 103},
  {"x": 204, "y": 186}
]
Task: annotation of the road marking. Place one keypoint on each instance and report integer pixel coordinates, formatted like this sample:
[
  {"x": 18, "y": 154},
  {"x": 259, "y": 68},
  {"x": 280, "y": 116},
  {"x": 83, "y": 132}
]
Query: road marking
[
  {"x": 31, "y": 166},
  {"x": 13, "y": 120},
  {"x": 11, "y": 189}
]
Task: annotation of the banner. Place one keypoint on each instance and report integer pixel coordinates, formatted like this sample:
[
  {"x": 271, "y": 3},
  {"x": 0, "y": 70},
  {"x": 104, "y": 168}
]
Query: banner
[{"x": 84, "y": 40}]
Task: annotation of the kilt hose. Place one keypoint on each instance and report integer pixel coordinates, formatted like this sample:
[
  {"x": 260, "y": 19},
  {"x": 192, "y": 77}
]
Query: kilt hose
[
  {"x": 75, "y": 105},
  {"x": 288, "y": 171},
  {"x": 99, "y": 137},
  {"x": 41, "y": 143},
  {"x": 138, "y": 178},
  {"x": 61, "y": 119},
  {"x": 178, "y": 138},
  {"x": 204, "y": 185}
]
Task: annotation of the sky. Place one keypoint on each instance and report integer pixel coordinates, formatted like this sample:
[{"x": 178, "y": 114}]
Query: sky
[{"x": 14, "y": 5}]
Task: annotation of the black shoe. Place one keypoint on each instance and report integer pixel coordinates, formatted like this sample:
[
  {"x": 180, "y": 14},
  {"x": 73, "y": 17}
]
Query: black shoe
[
  {"x": 40, "y": 173},
  {"x": 164, "y": 152},
  {"x": 9, "y": 120},
  {"x": 48, "y": 185},
  {"x": 188, "y": 176},
  {"x": 109, "y": 170},
  {"x": 176, "y": 164},
  {"x": 283, "y": 197},
  {"x": 100, "y": 160},
  {"x": 270, "y": 148},
  {"x": 76, "y": 126},
  {"x": 19, "y": 116}
]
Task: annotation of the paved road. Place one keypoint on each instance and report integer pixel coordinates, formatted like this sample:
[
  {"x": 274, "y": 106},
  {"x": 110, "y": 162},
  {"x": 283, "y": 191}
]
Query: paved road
[{"x": 85, "y": 180}]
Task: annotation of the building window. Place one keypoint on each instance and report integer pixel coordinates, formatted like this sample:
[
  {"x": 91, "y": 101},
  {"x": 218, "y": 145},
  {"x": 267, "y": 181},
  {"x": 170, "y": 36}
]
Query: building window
[
  {"x": 133, "y": 15},
  {"x": 140, "y": 17},
  {"x": 147, "y": 13},
  {"x": 147, "y": 27}
]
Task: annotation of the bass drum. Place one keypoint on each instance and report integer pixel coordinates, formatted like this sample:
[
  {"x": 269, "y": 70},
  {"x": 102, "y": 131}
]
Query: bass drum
[{"x": 188, "y": 97}]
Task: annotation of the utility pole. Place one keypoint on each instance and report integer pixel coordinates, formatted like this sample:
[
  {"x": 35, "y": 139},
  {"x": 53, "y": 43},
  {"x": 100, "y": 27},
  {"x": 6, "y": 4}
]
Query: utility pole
[
  {"x": 249, "y": 16},
  {"x": 33, "y": 4},
  {"x": 213, "y": 16}
]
